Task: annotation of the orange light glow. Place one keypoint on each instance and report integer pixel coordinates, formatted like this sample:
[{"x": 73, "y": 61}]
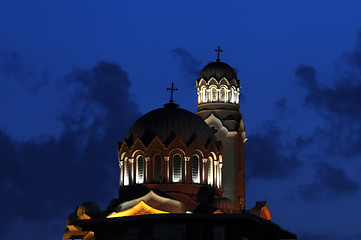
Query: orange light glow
[{"x": 140, "y": 209}]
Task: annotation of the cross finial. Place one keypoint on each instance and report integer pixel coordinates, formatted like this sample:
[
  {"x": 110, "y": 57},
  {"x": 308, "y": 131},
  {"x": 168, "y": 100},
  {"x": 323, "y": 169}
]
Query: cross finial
[
  {"x": 172, "y": 89},
  {"x": 218, "y": 50}
]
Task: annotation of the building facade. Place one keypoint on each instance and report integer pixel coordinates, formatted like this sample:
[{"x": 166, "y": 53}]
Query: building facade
[{"x": 182, "y": 175}]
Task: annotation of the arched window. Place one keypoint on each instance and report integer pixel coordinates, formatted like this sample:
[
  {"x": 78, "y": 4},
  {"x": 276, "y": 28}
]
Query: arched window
[
  {"x": 204, "y": 95},
  {"x": 222, "y": 95},
  {"x": 177, "y": 168},
  {"x": 214, "y": 97},
  {"x": 140, "y": 170},
  {"x": 210, "y": 171},
  {"x": 158, "y": 169},
  {"x": 195, "y": 169}
]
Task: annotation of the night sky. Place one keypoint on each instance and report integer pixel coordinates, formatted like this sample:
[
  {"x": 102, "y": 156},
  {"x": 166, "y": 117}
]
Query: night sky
[{"x": 75, "y": 75}]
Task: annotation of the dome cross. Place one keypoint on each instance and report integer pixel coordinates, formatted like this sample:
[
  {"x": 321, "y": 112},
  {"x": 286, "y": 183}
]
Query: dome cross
[
  {"x": 218, "y": 50},
  {"x": 172, "y": 89}
]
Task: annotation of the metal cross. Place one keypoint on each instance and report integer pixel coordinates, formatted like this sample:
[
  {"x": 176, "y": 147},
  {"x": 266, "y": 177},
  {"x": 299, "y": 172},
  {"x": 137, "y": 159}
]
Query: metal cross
[
  {"x": 218, "y": 50},
  {"x": 172, "y": 89}
]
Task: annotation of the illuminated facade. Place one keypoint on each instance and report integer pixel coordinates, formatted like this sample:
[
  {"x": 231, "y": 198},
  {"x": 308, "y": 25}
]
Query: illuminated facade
[
  {"x": 218, "y": 98},
  {"x": 182, "y": 175}
]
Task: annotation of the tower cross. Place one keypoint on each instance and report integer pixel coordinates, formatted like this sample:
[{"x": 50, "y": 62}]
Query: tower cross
[
  {"x": 172, "y": 89},
  {"x": 218, "y": 50}
]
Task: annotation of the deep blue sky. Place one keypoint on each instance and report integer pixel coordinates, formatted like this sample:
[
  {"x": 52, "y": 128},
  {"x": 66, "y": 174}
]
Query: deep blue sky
[{"x": 74, "y": 76}]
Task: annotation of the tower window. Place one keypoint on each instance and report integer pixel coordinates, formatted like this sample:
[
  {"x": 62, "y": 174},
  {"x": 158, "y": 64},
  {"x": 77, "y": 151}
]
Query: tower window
[
  {"x": 158, "y": 169},
  {"x": 222, "y": 95},
  {"x": 195, "y": 169},
  {"x": 214, "y": 95},
  {"x": 177, "y": 168},
  {"x": 140, "y": 170}
]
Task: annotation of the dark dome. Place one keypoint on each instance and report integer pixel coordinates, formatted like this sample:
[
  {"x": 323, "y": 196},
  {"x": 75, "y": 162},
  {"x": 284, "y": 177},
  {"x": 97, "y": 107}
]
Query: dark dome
[
  {"x": 167, "y": 123},
  {"x": 218, "y": 70}
]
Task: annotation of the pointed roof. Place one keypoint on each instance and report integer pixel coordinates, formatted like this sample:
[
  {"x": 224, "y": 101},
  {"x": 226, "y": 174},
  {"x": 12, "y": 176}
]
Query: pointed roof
[
  {"x": 154, "y": 201},
  {"x": 139, "y": 209}
]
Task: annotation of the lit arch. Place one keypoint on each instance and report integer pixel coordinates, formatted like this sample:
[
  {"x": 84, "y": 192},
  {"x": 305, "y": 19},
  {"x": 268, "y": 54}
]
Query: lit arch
[
  {"x": 213, "y": 94},
  {"x": 177, "y": 150},
  {"x": 223, "y": 94},
  {"x": 203, "y": 94},
  {"x": 224, "y": 81},
  {"x": 122, "y": 155},
  {"x": 212, "y": 81},
  {"x": 202, "y": 82}
]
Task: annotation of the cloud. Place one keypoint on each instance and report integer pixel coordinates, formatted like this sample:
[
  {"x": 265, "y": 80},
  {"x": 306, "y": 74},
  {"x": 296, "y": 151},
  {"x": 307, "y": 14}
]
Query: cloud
[
  {"x": 267, "y": 156},
  {"x": 190, "y": 65},
  {"x": 343, "y": 98},
  {"x": 47, "y": 177},
  {"x": 329, "y": 181},
  {"x": 337, "y": 104},
  {"x": 11, "y": 66},
  {"x": 282, "y": 108}
]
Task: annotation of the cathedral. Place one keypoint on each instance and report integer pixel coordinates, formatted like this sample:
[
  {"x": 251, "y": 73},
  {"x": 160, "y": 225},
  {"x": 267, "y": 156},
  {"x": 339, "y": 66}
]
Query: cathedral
[{"x": 182, "y": 175}]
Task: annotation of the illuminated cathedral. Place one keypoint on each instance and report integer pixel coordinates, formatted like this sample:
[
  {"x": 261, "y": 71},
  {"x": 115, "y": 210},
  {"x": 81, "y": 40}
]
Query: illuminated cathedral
[{"x": 182, "y": 175}]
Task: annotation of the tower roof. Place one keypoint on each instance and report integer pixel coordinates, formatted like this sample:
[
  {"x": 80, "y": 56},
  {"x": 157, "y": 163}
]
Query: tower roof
[{"x": 218, "y": 70}]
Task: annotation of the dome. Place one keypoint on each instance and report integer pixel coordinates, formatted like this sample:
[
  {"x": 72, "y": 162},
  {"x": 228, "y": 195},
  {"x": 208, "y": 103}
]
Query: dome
[
  {"x": 218, "y": 70},
  {"x": 167, "y": 123}
]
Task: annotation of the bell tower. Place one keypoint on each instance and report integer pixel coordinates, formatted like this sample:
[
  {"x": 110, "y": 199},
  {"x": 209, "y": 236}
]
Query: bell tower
[{"x": 218, "y": 105}]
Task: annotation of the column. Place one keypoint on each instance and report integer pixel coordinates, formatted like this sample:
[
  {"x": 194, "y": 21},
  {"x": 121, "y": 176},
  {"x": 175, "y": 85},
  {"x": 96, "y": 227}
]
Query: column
[
  {"x": 121, "y": 180},
  {"x": 146, "y": 170},
  {"x": 220, "y": 174},
  {"x": 204, "y": 179},
  {"x": 131, "y": 162},
  {"x": 167, "y": 168},
  {"x": 186, "y": 162}
]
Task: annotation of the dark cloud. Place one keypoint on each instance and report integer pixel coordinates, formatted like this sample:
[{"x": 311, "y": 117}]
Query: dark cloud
[
  {"x": 342, "y": 99},
  {"x": 268, "y": 157},
  {"x": 338, "y": 105},
  {"x": 282, "y": 107},
  {"x": 11, "y": 66},
  {"x": 45, "y": 178},
  {"x": 354, "y": 58},
  {"x": 190, "y": 65},
  {"x": 329, "y": 181}
]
